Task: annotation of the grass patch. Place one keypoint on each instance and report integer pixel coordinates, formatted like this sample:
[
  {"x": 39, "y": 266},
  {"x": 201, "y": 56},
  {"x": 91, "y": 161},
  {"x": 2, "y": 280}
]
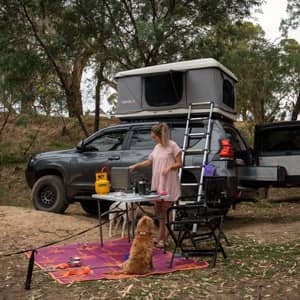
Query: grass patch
[
  {"x": 3, "y": 190},
  {"x": 261, "y": 204},
  {"x": 246, "y": 258},
  {"x": 58, "y": 145},
  {"x": 11, "y": 158},
  {"x": 22, "y": 121}
]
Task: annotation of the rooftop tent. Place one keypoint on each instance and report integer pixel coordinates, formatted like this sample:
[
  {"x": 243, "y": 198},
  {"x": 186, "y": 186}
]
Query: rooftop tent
[{"x": 168, "y": 89}]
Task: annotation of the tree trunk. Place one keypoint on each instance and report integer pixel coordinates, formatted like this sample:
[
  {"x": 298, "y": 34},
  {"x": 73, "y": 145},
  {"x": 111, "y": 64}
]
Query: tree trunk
[
  {"x": 27, "y": 104},
  {"x": 296, "y": 109},
  {"x": 72, "y": 87},
  {"x": 97, "y": 105},
  {"x": 100, "y": 79},
  {"x": 27, "y": 99},
  {"x": 74, "y": 102}
]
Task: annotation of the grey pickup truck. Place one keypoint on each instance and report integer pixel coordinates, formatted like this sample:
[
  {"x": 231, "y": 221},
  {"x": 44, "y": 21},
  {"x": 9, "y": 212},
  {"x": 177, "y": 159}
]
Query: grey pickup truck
[{"x": 59, "y": 178}]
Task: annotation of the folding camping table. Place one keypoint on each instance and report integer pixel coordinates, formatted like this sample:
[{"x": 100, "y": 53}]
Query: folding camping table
[{"x": 128, "y": 199}]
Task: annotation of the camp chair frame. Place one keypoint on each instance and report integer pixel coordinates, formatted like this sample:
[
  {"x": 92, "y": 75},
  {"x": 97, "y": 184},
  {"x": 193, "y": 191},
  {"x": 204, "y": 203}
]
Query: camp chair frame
[{"x": 208, "y": 215}]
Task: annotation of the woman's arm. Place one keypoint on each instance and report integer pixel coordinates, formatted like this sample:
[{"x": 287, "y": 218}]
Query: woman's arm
[
  {"x": 175, "y": 166},
  {"x": 145, "y": 163}
]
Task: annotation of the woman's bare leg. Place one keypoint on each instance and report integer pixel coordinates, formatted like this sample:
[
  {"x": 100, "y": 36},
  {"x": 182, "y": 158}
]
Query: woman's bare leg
[{"x": 162, "y": 219}]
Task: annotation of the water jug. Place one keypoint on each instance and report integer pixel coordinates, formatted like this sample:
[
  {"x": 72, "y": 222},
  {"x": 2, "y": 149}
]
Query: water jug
[
  {"x": 142, "y": 185},
  {"x": 102, "y": 184}
]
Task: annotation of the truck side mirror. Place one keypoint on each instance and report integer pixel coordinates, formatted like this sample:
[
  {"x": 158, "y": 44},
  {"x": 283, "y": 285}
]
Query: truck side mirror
[{"x": 80, "y": 146}]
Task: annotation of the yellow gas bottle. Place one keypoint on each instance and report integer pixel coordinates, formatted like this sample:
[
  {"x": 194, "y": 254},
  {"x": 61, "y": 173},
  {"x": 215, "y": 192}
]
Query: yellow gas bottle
[{"x": 102, "y": 184}]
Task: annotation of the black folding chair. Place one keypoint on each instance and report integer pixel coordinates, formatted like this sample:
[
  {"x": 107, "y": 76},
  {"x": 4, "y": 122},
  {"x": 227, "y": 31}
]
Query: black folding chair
[{"x": 207, "y": 216}]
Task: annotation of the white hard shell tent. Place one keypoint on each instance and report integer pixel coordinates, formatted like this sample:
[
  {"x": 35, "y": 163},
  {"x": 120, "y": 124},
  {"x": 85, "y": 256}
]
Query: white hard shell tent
[{"x": 168, "y": 89}]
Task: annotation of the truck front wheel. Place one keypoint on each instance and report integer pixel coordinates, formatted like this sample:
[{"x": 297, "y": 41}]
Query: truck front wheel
[{"x": 48, "y": 194}]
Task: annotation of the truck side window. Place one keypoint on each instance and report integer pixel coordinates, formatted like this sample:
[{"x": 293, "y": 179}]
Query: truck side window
[
  {"x": 109, "y": 141},
  {"x": 177, "y": 134},
  {"x": 280, "y": 140},
  {"x": 228, "y": 93},
  {"x": 141, "y": 140}
]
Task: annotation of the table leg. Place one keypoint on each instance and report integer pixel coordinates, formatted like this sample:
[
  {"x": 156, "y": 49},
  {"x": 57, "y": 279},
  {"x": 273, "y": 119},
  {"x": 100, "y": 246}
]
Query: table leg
[
  {"x": 163, "y": 221},
  {"x": 132, "y": 220},
  {"x": 100, "y": 223}
]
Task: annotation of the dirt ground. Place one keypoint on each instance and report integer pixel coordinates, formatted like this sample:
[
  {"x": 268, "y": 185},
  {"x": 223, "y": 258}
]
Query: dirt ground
[{"x": 267, "y": 227}]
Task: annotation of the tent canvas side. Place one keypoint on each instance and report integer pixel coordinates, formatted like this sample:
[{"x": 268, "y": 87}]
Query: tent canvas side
[
  {"x": 169, "y": 89},
  {"x": 129, "y": 94}
]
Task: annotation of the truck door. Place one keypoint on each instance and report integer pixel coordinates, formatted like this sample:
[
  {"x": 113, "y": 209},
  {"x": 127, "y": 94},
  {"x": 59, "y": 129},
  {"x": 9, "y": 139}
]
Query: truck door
[
  {"x": 278, "y": 144},
  {"x": 139, "y": 147},
  {"x": 105, "y": 149}
]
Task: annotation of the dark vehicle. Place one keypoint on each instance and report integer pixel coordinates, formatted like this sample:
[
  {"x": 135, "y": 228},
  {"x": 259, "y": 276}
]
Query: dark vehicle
[{"x": 59, "y": 178}]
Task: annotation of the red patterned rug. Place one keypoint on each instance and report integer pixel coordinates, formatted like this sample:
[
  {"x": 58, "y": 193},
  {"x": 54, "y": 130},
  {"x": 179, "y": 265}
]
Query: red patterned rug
[{"x": 97, "y": 261}]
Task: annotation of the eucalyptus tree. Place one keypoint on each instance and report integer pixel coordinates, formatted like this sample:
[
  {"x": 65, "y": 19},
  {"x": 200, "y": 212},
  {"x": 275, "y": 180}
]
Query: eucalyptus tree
[
  {"x": 291, "y": 83},
  {"x": 20, "y": 65},
  {"x": 293, "y": 19},
  {"x": 118, "y": 34},
  {"x": 258, "y": 66},
  {"x": 62, "y": 32},
  {"x": 151, "y": 32}
]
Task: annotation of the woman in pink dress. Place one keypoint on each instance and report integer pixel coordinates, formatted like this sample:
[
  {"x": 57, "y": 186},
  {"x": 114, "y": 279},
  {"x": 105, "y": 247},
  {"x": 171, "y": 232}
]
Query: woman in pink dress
[{"x": 165, "y": 160}]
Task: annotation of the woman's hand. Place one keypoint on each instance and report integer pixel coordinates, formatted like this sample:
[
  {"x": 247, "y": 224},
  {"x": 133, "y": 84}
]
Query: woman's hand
[
  {"x": 143, "y": 164},
  {"x": 132, "y": 168},
  {"x": 166, "y": 171}
]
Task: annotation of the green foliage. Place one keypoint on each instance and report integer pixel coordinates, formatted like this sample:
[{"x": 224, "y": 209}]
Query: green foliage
[
  {"x": 22, "y": 121},
  {"x": 45, "y": 45},
  {"x": 10, "y": 158},
  {"x": 268, "y": 74},
  {"x": 8, "y": 155},
  {"x": 164, "y": 31},
  {"x": 293, "y": 19},
  {"x": 247, "y": 131},
  {"x": 3, "y": 191},
  {"x": 58, "y": 145}
]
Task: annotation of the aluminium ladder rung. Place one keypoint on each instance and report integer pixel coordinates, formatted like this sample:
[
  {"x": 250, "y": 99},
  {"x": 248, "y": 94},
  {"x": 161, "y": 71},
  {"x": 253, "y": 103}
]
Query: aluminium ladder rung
[
  {"x": 191, "y": 167},
  {"x": 194, "y": 151},
  {"x": 189, "y": 184},
  {"x": 200, "y": 103},
  {"x": 199, "y": 119},
  {"x": 196, "y": 134}
]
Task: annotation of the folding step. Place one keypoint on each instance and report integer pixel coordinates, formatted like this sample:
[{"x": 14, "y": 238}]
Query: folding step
[
  {"x": 200, "y": 103},
  {"x": 196, "y": 135},
  {"x": 189, "y": 184},
  {"x": 192, "y": 167},
  {"x": 199, "y": 119},
  {"x": 194, "y": 151}
]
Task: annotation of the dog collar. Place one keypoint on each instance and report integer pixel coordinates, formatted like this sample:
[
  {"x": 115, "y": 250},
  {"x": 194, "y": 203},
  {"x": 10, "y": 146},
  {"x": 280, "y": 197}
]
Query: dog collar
[{"x": 144, "y": 233}]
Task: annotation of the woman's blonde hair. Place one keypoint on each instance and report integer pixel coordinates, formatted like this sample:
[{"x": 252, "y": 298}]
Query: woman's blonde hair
[{"x": 162, "y": 131}]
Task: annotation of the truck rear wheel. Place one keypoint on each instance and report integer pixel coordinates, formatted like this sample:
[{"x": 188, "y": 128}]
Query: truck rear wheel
[{"x": 48, "y": 194}]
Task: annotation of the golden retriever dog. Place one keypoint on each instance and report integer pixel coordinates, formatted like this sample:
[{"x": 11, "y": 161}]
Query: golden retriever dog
[{"x": 140, "y": 255}]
